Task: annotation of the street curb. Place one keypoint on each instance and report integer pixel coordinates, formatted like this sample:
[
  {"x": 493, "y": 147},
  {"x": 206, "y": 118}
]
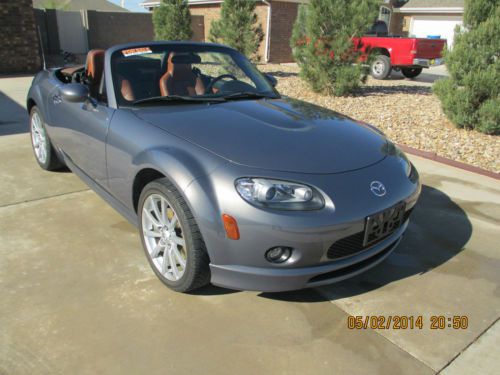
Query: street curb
[{"x": 440, "y": 159}]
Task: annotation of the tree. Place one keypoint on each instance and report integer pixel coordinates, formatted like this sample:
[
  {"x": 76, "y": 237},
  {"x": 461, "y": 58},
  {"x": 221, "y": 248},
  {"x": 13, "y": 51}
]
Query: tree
[
  {"x": 172, "y": 20},
  {"x": 238, "y": 27},
  {"x": 322, "y": 43},
  {"x": 54, "y": 4},
  {"x": 470, "y": 95},
  {"x": 299, "y": 35}
]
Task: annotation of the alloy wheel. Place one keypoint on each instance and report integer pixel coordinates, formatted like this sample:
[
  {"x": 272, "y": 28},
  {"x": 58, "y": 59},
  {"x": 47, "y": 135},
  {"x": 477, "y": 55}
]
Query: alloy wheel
[
  {"x": 163, "y": 236},
  {"x": 38, "y": 138}
]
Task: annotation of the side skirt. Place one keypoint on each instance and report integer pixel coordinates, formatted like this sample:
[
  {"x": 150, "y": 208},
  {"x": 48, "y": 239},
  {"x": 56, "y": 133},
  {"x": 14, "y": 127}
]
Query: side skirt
[{"x": 113, "y": 202}]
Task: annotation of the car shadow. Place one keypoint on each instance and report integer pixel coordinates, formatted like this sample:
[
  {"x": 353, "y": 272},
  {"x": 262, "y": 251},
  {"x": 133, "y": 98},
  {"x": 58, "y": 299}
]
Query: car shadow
[
  {"x": 439, "y": 229},
  {"x": 13, "y": 119}
]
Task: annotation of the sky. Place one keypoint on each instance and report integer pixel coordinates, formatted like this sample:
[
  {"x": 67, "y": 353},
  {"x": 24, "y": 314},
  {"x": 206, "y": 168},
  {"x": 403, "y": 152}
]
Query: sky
[{"x": 132, "y": 5}]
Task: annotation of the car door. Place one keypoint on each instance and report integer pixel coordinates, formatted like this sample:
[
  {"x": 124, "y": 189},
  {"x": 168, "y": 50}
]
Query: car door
[{"x": 82, "y": 129}]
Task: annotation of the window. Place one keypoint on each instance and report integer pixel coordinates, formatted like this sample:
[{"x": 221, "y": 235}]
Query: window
[
  {"x": 191, "y": 70},
  {"x": 385, "y": 15}
]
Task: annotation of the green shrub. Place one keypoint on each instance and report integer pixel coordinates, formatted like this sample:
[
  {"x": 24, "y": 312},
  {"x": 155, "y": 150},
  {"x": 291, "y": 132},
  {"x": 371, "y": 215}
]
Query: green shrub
[
  {"x": 238, "y": 27},
  {"x": 322, "y": 43},
  {"x": 470, "y": 95},
  {"x": 172, "y": 20},
  {"x": 489, "y": 116}
]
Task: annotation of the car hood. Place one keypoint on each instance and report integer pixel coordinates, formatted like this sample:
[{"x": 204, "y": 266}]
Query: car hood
[{"x": 278, "y": 134}]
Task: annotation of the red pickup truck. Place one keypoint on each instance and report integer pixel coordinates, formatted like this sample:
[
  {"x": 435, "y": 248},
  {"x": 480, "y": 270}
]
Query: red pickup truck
[
  {"x": 410, "y": 55},
  {"x": 384, "y": 52}
]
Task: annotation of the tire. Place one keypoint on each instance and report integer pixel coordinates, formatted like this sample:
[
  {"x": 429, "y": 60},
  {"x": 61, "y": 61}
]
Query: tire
[
  {"x": 158, "y": 236},
  {"x": 381, "y": 67},
  {"x": 44, "y": 153},
  {"x": 411, "y": 72}
]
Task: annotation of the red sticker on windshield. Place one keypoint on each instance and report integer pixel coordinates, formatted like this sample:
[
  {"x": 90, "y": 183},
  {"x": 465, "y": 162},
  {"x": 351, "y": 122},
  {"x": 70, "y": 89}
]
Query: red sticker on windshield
[{"x": 136, "y": 51}]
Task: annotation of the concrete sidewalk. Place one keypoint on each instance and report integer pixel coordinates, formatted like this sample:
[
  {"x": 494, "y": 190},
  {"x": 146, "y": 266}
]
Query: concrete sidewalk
[{"x": 78, "y": 296}]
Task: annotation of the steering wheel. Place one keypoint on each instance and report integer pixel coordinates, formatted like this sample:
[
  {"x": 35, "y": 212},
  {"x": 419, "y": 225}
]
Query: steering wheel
[{"x": 217, "y": 79}]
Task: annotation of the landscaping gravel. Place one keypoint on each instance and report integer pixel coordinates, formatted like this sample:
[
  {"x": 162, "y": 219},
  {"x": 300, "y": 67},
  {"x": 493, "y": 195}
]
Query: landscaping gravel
[{"x": 405, "y": 110}]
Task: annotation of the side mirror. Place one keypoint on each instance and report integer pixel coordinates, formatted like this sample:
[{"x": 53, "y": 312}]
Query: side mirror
[
  {"x": 74, "y": 92},
  {"x": 273, "y": 81}
]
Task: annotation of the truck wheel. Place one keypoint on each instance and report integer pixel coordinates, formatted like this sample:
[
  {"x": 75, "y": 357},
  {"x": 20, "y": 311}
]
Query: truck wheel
[
  {"x": 381, "y": 67},
  {"x": 411, "y": 72}
]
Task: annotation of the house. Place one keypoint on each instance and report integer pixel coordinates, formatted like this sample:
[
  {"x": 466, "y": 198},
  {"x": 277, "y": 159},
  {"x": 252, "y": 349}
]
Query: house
[
  {"x": 276, "y": 17},
  {"x": 423, "y": 18},
  {"x": 19, "y": 52},
  {"x": 74, "y": 5}
]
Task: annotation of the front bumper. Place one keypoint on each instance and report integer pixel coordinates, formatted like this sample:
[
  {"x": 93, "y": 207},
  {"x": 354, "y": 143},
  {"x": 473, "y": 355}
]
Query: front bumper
[
  {"x": 427, "y": 63},
  {"x": 280, "y": 280},
  {"x": 241, "y": 264}
]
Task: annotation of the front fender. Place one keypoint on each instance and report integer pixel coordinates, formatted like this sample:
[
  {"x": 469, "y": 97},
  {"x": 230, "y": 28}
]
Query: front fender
[
  {"x": 41, "y": 87},
  {"x": 133, "y": 146},
  {"x": 191, "y": 177},
  {"x": 178, "y": 165}
]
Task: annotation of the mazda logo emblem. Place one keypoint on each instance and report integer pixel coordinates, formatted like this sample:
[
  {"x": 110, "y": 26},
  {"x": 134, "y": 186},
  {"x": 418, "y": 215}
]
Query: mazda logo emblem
[{"x": 378, "y": 188}]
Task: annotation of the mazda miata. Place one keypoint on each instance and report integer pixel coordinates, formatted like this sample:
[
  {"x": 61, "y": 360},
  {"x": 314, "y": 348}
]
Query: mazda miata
[{"x": 229, "y": 182}]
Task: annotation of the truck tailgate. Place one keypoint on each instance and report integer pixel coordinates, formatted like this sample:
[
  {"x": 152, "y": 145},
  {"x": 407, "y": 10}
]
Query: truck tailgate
[{"x": 429, "y": 48}]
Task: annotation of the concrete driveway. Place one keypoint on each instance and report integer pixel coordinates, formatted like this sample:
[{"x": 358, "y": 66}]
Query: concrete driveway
[
  {"x": 78, "y": 297},
  {"x": 426, "y": 78}
]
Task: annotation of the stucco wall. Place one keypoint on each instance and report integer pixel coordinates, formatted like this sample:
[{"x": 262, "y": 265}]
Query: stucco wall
[{"x": 109, "y": 28}]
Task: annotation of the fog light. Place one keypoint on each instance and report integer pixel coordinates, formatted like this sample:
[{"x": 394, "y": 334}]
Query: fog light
[{"x": 278, "y": 254}]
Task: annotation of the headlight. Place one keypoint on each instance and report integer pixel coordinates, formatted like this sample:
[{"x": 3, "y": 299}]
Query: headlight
[{"x": 281, "y": 195}]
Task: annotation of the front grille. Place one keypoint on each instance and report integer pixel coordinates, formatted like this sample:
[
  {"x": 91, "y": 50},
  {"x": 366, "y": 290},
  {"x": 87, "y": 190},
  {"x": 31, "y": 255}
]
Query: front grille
[
  {"x": 353, "y": 244},
  {"x": 354, "y": 267}
]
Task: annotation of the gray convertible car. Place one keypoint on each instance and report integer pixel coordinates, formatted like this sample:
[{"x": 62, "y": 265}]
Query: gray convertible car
[{"x": 228, "y": 181}]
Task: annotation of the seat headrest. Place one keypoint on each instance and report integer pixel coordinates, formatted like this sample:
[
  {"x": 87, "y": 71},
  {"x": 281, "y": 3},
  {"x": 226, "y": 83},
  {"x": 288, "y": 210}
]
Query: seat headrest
[
  {"x": 95, "y": 64},
  {"x": 179, "y": 70}
]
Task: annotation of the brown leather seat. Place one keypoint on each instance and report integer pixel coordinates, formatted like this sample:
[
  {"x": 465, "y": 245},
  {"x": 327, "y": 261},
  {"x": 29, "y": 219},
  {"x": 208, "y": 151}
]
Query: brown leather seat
[
  {"x": 180, "y": 80},
  {"x": 126, "y": 89},
  {"x": 94, "y": 69}
]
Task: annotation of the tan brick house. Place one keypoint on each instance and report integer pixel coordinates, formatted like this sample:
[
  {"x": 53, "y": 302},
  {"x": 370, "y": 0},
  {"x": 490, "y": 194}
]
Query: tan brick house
[{"x": 276, "y": 18}]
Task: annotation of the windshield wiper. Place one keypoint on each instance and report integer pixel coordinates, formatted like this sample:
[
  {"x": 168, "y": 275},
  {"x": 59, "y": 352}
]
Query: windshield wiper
[
  {"x": 249, "y": 94},
  {"x": 178, "y": 98}
]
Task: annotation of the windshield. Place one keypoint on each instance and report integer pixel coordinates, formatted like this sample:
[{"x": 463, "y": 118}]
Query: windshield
[{"x": 190, "y": 72}]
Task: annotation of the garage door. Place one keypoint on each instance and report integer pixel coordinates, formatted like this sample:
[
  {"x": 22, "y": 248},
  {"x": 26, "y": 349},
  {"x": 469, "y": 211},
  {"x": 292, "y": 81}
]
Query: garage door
[{"x": 422, "y": 26}]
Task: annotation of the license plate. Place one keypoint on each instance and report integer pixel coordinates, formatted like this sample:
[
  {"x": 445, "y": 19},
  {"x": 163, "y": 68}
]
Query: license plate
[
  {"x": 382, "y": 224},
  {"x": 436, "y": 62}
]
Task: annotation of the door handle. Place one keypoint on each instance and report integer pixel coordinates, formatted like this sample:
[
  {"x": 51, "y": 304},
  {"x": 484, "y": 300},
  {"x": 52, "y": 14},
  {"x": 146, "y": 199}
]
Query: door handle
[{"x": 57, "y": 99}]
